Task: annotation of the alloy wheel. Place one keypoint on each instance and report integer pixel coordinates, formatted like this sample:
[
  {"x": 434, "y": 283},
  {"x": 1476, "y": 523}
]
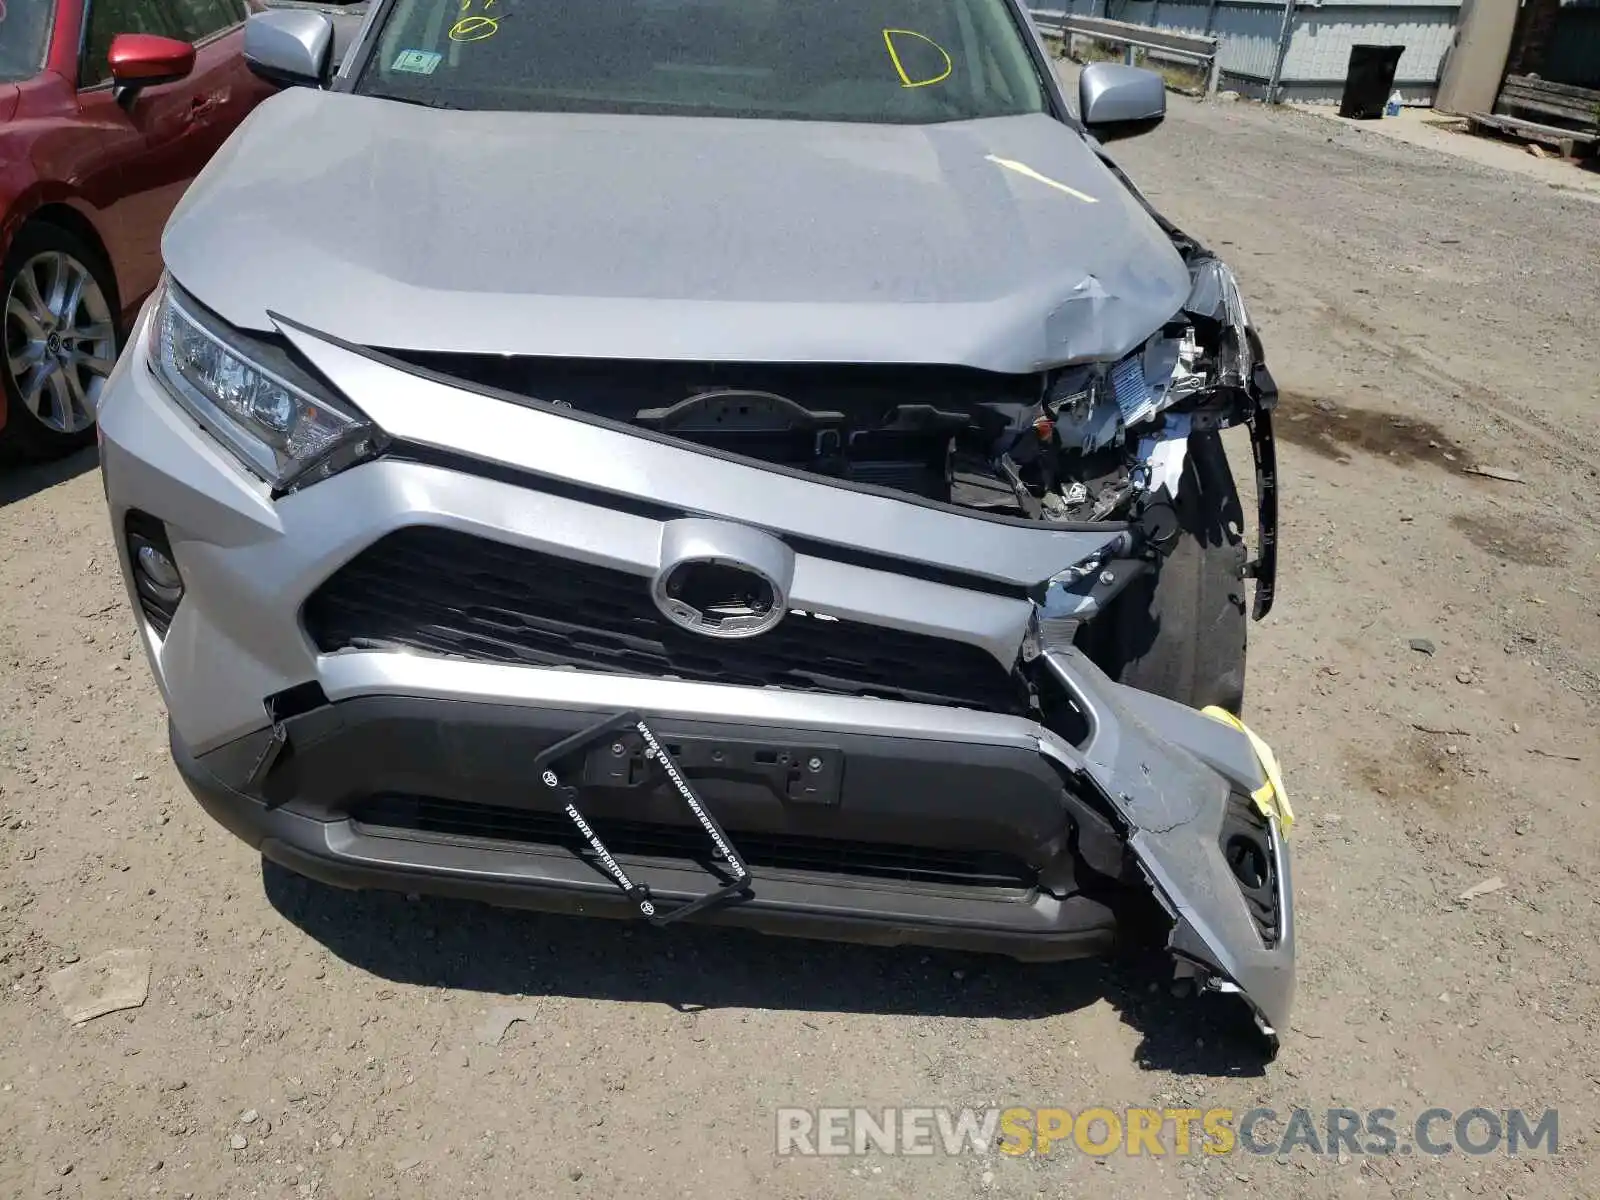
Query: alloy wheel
[{"x": 60, "y": 341}]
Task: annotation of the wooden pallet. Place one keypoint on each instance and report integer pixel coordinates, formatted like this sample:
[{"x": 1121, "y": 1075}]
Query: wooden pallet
[
  {"x": 1575, "y": 106},
  {"x": 1571, "y": 143}
]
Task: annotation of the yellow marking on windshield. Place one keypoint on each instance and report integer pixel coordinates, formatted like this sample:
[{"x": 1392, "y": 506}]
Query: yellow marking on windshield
[
  {"x": 894, "y": 56},
  {"x": 1012, "y": 164},
  {"x": 474, "y": 29}
]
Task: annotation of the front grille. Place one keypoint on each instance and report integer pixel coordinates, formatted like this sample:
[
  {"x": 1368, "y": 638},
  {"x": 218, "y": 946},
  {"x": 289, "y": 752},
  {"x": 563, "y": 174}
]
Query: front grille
[
  {"x": 637, "y": 839},
  {"x": 437, "y": 590}
]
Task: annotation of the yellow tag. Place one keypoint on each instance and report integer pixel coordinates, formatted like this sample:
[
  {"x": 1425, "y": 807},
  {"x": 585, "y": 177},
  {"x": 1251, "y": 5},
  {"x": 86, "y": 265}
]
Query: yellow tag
[{"x": 1270, "y": 797}]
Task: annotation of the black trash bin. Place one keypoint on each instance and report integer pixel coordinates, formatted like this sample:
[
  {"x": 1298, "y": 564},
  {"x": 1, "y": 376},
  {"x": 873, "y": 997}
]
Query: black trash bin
[{"x": 1369, "y": 80}]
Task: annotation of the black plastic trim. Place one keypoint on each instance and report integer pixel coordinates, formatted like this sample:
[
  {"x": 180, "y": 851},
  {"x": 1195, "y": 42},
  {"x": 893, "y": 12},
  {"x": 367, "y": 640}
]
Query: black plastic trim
[
  {"x": 1246, "y": 845},
  {"x": 574, "y": 414},
  {"x": 140, "y": 528},
  {"x": 895, "y": 790},
  {"x": 1264, "y": 568},
  {"x": 351, "y": 752}
]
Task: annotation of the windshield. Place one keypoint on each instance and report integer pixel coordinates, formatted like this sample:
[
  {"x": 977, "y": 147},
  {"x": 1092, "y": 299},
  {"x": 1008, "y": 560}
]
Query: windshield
[
  {"x": 902, "y": 61},
  {"x": 24, "y": 30}
]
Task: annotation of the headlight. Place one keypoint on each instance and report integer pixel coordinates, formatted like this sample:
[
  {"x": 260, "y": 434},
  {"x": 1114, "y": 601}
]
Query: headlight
[
  {"x": 254, "y": 399},
  {"x": 1214, "y": 295}
]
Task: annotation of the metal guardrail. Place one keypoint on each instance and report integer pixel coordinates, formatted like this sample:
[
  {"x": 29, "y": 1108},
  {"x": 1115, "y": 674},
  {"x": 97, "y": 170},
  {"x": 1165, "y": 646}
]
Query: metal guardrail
[{"x": 1183, "y": 46}]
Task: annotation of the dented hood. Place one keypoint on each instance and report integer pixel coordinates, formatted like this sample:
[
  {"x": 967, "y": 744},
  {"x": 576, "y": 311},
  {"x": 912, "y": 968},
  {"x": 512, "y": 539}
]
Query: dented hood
[{"x": 1003, "y": 244}]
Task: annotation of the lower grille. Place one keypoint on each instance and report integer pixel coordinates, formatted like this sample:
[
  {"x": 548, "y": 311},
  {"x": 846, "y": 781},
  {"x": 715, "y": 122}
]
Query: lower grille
[
  {"x": 433, "y": 589},
  {"x": 636, "y": 839},
  {"x": 1247, "y": 846}
]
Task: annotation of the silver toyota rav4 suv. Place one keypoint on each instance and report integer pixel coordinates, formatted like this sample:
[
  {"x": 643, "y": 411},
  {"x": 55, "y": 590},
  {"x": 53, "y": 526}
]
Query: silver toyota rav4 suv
[{"x": 755, "y": 460}]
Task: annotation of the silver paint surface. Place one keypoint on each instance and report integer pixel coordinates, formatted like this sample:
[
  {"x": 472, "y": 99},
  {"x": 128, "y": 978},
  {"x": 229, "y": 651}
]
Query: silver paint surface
[{"x": 674, "y": 238}]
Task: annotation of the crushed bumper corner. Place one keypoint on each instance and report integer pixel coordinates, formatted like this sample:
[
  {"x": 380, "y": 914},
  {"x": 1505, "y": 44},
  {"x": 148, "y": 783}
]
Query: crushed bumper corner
[{"x": 1185, "y": 784}]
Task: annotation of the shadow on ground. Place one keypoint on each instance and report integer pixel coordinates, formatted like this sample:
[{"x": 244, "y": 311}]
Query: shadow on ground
[
  {"x": 20, "y": 482},
  {"x": 459, "y": 944}
]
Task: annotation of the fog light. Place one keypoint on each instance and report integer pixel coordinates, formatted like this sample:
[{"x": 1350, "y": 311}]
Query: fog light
[
  {"x": 156, "y": 577},
  {"x": 160, "y": 572}
]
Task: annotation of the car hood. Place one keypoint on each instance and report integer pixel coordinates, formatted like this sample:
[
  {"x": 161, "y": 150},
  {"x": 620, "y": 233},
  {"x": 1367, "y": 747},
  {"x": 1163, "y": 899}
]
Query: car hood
[
  {"x": 9, "y": 95},
  {"x": 1003, "y": 244}
]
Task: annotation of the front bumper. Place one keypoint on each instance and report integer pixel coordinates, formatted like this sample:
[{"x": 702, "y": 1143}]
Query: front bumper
[
  {"x": 1146, "y": 794},
  {"x": 437, "y": 796}
]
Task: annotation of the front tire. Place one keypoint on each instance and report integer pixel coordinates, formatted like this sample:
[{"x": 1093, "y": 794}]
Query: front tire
[
  {"x": 1181, "y": 633},
  {"x": 60, "y": 338}
]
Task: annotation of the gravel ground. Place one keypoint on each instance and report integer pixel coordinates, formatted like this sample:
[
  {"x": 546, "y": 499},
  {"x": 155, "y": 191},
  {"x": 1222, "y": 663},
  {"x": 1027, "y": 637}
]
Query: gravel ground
[{"x": 1424, "y": 316}]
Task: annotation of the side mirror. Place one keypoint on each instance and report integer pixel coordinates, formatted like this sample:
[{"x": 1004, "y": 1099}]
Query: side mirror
[
  {"x": 141, "y": 60},
  {"x": 1117, "y": 101},
  {"x": 289, "y": 46}
]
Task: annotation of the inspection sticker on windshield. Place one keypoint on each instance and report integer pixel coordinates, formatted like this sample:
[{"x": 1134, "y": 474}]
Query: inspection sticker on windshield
[{"x": 418, "y": 62}]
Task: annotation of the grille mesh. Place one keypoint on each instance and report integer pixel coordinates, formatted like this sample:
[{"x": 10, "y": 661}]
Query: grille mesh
[{"x": 451, "y": 593}]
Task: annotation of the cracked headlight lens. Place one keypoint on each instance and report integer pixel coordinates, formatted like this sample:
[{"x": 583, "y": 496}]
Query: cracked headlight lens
[
  {"x": 277, "y": 420},
  {"x": 1214, "y": 294}
]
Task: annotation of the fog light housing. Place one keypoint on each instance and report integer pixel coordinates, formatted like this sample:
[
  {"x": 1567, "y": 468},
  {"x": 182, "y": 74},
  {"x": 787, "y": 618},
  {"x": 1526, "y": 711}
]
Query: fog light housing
[
  {"x": 156, "y": 577},
  {"x": 161, "y": 573}
]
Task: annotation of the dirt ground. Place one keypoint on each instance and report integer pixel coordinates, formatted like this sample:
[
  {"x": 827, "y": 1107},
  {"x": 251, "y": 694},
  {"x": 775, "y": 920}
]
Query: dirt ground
[
  {"x": 1424, "y": 316},
  {"x": 1449, "y": 134}
]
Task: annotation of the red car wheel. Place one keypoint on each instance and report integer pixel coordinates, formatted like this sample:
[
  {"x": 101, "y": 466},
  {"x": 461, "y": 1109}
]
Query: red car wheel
[{"x": 60, "y": 343}]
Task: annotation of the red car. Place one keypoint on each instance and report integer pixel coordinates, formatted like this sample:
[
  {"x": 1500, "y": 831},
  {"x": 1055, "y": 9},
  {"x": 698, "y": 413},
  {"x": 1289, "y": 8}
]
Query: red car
[{"x": 108, "y": 108}]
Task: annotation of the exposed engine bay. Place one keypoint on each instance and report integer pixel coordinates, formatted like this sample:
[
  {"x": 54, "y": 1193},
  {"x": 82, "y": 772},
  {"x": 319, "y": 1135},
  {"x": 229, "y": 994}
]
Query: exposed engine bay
[
  {"x": 1077, "y": 444},
  {"x": 1081, "y": 443}
]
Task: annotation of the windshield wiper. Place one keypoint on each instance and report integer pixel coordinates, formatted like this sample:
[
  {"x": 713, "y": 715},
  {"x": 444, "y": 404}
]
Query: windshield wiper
[{"x": 416, "y": 100}]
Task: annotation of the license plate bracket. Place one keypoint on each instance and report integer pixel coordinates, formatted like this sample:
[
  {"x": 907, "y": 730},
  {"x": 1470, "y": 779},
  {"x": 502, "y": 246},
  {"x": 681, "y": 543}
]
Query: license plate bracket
[
  {"x": 799, "y": 774},
  {"x": 728, "y": 867}
]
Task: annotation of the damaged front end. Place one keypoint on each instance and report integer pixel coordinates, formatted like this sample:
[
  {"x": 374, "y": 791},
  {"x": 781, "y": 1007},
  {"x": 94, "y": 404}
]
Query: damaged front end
[
  {"x": 1074, "y": 446},
  {"x": 832, "y": 653},
  {"x": 1185, "y": 783},
  {"x": 1128, "y": 426},
  {"x": 1157, "y": 793},
  {"x": 800, "y": 519},
  {"x": 1205, "y": 821}
]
